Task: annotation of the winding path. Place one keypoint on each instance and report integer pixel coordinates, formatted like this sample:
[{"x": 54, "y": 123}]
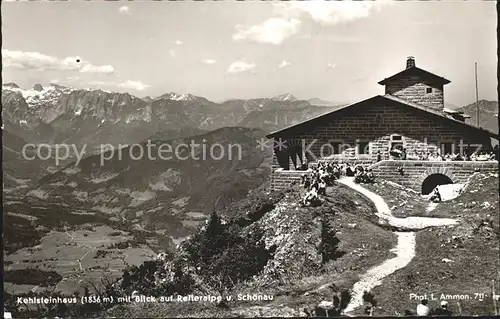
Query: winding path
[
  {"x": 404, "y": 250},
  {"x": 384, "y": 212}
]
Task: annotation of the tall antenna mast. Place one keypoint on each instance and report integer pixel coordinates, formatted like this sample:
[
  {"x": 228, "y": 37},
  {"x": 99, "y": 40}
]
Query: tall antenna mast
[{"x": 477, "y": 98}]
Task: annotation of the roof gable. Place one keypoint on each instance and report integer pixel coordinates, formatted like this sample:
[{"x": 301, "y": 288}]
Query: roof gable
[
  {"x": 381, "y": 98},
  {"x": 415, "y": 71}
]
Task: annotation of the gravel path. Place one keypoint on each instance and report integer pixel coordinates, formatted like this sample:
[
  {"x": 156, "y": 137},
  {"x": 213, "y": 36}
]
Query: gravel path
[
  {"x": 404, "y": 250},
  {"x": 431, "y": 206},
  {"x": 384, "y": 212}
]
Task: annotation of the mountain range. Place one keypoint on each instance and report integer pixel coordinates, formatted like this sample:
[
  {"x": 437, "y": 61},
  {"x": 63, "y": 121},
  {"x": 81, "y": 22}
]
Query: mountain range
[
  {"x": 57, "y": 114},
  {"x": 488, "y": 114},
  {"x": 54, "y": 106}
]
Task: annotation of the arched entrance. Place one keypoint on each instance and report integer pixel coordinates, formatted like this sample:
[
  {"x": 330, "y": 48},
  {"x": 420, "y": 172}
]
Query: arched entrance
[{"x": 434, "y": 180}]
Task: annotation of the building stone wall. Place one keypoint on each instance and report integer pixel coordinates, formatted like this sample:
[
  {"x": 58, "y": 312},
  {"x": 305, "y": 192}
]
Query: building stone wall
[
  {"x": 375, "y": 124},
  {"x": 282, "y": 179},
  {"x": 413, "y": 89}
]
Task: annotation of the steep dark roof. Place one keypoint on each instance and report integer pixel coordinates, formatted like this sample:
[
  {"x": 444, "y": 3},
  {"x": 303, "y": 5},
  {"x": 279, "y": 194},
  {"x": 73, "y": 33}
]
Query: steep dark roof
[
  {"x": 390, "y": 98},
  {"x": 415, "y": 71}
]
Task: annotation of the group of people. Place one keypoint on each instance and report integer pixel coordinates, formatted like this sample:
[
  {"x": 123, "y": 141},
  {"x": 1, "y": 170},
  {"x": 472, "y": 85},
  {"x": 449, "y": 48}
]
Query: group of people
[
  {"x": 424, "y": 310},
  {"x": 316, "y": 182},
  {"x": 325, "y": 174},
  {"x": 362, "y": 175},
  {"x": 482, "y": 155}
]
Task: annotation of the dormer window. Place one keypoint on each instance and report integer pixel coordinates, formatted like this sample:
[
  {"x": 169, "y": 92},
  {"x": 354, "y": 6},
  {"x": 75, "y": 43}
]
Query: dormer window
[{"x": 428, "y": 90}]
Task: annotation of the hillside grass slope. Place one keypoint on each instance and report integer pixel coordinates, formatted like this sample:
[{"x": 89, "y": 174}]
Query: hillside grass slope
[
  {"x": 455, "y": 260},
  {"x": 299, "y": 271}
]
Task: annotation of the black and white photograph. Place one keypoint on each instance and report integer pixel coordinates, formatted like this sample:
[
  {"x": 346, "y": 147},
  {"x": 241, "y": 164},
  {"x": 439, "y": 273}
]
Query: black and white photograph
[{"x": 246, "y": 159}]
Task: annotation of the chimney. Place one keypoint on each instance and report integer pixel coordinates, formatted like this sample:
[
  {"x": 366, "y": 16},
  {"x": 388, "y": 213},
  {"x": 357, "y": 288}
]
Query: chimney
[{"x": 410, "y": 62}]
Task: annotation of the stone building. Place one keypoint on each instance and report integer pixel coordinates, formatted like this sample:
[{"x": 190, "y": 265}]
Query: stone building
[{"x": 410, "y": 115}]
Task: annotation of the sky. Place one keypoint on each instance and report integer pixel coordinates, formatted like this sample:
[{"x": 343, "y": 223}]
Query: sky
[{"x": 335, "y": 51}]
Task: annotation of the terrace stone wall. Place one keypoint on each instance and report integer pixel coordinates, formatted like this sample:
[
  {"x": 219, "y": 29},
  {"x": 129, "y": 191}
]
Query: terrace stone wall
[
  {"x": 282, "y": 179},
  {"x": 415, "y": 172},
  {"x": 413, "y": 175}
]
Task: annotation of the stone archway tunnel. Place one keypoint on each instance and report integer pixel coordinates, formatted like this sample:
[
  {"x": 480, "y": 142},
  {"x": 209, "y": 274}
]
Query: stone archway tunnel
[{"x": 434, "y": 180}]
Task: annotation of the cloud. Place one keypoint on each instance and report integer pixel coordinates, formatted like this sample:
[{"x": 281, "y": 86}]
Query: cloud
[
  {"x": 273, "y": 30},
  {"x": 41, "y": 62},
  {"x": 284, "y": 64},
  {"x": 330, "y": 12},
  {"x": 67, "y": 79},
  {"x": 28, "y": 60},
  {"x": 124, "y": 9},
  {"x": 331, "y": 65},
  {"x": 240, "y": 67},
  {"x": 287, "y": 18},
  {"x": 135, "y": 85},
  {"x": 178, "y": 42},
  {"x": 209, "y": 61},
  {"x": 88, "y": 68},
  {"x": 172, "y": 53}
]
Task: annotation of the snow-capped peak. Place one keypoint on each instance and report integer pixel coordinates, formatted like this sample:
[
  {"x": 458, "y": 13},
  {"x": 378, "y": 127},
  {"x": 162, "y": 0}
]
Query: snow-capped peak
[
  {"x": 284, "y": 97},
  {"x": 10, "y": 85},
  {"x": 178, "y": 97},
  {"x": 55, "y": 86},
  {"x": 38, "y": 95}
]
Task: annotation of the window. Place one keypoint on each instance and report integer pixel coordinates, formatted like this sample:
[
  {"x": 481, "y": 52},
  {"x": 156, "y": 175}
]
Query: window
[
  {"x": 396, "y": 142},
  {"x": 428, "y": 90},
  {"x": 397, "y": 138},
  {"x": 363, "y": 148}
]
